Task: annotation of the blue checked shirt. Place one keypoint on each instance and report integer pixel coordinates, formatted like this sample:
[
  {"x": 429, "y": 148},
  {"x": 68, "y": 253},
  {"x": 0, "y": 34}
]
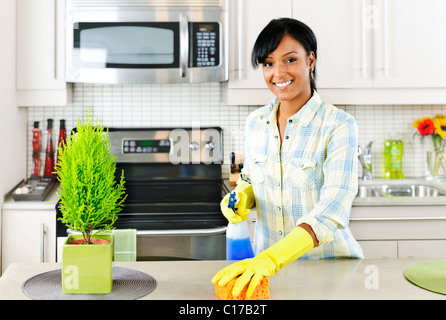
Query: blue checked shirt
[{"x": 312, "y": 178}]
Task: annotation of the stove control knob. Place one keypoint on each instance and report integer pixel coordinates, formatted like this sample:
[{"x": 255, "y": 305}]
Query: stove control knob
[
  {"x": 194, "y": 146},
  {"x": 210, "y": 145}
]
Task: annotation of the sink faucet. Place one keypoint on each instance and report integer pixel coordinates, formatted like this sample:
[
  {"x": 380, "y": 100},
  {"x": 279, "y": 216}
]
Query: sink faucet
[{"x": 365, "y": 157}]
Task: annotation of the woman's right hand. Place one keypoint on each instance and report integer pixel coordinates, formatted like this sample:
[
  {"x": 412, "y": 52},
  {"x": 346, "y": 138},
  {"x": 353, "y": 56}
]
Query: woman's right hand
[{"x": 240, "y": 214}]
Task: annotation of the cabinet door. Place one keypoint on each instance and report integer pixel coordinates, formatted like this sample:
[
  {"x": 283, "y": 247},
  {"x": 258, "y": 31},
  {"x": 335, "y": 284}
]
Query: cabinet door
[
  {"x": 251, "y": 16},
  {"x": 409, "y": 44},
  {"x": 40, "y": 53},
  {"x": 379, "y": 249},
  {"x": 343, "y": 30},
  {"x": 28, "y": 236},
  {"x": 424, "y": 249}
]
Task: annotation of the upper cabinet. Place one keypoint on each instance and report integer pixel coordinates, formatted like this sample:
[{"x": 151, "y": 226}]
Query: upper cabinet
[
  {"x": 409, "y": 40},
  {"x": 247, "y": 19},
  {"x": 41, "y": 53},
  {"x": 369, "y": 51}
]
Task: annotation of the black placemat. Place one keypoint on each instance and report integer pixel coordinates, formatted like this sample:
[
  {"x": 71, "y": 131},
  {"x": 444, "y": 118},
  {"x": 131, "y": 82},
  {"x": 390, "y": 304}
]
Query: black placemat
[{"x": 128, "y": 284}]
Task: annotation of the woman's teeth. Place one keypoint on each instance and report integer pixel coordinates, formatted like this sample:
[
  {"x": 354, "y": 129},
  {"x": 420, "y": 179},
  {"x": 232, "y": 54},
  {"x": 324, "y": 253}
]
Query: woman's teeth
[{"x": 283, "y": 84}]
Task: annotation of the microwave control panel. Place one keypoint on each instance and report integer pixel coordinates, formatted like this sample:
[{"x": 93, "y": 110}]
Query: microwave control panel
[{"x": 206, "y": 39}]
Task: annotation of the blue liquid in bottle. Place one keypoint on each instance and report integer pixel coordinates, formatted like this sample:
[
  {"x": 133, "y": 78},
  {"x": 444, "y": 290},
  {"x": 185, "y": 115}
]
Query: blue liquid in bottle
[
  {"x": 238, "y": 243},
  {"x": 238, "y": 249}
]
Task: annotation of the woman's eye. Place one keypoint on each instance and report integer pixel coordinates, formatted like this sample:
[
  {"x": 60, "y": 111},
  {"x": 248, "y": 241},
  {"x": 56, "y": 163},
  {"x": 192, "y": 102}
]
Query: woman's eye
[
  {"x": 267, "y": 64},
  {"x": 290, "y": 60}
]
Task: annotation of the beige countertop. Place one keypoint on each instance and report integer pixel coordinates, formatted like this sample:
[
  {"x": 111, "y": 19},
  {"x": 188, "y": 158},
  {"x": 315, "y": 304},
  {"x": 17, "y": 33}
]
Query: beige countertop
[
  {"x": 310, "y": 279},
  {"x": 52, "y": 198}
]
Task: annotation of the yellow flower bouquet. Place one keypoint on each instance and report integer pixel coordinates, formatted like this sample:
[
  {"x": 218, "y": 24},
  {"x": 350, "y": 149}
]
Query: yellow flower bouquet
[{"x": 435, "y": 127}]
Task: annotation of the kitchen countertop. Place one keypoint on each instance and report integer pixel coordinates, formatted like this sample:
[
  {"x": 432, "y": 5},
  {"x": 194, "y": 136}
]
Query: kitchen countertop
[
  {"x": 52, "y": 197},
  {"x": 302, "y": 279},
  {"x": 49, "y": 203}
]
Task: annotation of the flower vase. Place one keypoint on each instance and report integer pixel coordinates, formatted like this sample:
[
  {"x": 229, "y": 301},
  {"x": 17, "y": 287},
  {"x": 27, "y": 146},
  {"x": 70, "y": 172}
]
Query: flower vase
[{"x": 434, "y": 162}]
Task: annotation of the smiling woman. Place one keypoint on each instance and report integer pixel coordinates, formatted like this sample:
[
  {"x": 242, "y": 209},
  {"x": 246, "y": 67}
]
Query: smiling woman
[{"x": 300, "y": 165}]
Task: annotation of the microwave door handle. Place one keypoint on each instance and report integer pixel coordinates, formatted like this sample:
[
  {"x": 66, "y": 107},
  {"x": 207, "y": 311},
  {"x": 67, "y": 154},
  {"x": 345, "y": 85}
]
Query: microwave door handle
[{"x": 184, "y": 44}]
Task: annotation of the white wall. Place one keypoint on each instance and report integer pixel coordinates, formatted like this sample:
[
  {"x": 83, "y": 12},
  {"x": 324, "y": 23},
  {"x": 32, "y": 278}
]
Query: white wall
[{"x": 12, "y": 119}]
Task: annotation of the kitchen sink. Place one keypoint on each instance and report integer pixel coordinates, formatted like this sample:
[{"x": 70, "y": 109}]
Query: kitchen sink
[{"x": 408, "y": 190}]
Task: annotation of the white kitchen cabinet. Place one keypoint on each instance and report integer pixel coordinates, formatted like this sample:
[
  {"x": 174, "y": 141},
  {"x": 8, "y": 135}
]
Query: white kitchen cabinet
[
  {"x": 28, "y": 236},
  {"x": 400, "y": 231},
  {"x": 378, "y": 43},
  {"x": 369, "y": 51},
  {"x": 379, "y": 249},
  {"x": 247, "y": 19},
  {"x": 344, "y": 35},
  {"x": 41, "y": 53},
  {"x": 409, "y": 44}
]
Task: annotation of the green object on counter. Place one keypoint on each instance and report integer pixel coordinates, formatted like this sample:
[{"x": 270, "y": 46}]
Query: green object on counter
[
  {"x": 125, "y": 244},
  {"x": 429, "y": 275},
  {"x": 87, "y": 268},
  {"x": 393, "y": 157}
]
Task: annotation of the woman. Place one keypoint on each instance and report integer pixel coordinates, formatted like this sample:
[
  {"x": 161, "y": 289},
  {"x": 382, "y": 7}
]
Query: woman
[{"x": 300, "y": 163}]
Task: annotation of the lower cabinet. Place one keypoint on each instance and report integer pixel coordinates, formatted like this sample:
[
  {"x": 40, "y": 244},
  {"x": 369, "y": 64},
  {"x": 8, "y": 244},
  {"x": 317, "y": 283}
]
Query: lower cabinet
[
  {"x": 28, "y": 236},
  {"x": 400, "y": 231}
]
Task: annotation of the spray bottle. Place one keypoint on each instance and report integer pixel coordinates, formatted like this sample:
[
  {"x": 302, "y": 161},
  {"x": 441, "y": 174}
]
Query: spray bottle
[{"x": 238, "y": 243}]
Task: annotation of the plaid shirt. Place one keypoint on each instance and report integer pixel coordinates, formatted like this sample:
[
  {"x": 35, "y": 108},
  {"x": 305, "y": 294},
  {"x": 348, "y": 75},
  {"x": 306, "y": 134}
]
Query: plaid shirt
[{"x": 312, "y": 178}]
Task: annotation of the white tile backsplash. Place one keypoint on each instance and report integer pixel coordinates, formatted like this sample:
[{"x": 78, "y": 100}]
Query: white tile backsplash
[{"x": 191, "y": 105}]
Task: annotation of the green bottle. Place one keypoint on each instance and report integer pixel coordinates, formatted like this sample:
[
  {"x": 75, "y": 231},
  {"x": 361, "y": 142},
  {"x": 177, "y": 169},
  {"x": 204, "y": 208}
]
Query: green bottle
[{"x": 393, "y": 157}]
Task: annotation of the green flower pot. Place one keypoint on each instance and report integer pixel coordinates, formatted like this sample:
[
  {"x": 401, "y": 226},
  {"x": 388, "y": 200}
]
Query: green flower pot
[{"x": 87, "y": 268}]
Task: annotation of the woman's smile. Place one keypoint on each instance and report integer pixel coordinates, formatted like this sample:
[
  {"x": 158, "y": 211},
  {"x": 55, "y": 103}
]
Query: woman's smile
[{"x": 283, "y": 85}]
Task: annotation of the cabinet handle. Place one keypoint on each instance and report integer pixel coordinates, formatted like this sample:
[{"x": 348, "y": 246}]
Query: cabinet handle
[
  {"x": 54, "y": 9},
  {"x": 386, "y": 39},
  {"x": 42, "y": 242},
  {"x": 240, "y": 38},
  {"x": 364, "y": 39}
]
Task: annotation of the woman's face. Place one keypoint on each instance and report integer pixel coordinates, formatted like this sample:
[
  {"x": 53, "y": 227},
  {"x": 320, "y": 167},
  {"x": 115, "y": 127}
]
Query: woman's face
[{"x": 287, "y": 70}]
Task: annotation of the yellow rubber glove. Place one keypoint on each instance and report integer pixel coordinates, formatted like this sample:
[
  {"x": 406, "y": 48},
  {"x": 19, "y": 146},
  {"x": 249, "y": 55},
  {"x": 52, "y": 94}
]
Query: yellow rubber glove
[
  {"x": 267, "y": 263},
  {"x": 246, "y": 196}
]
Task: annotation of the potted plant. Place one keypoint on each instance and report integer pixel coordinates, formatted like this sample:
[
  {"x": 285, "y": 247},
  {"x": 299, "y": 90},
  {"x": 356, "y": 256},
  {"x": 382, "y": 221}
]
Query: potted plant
[{"x": 90, "y": 197}]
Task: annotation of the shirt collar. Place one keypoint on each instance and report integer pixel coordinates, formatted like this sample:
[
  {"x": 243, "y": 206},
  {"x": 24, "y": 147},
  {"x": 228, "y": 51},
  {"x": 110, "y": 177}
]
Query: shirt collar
[{"x": 304, "y": 115}]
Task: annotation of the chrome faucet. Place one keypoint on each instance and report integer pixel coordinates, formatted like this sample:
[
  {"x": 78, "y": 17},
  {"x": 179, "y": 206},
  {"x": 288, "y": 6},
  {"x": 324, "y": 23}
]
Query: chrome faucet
[{"x": 365, "y": 157}]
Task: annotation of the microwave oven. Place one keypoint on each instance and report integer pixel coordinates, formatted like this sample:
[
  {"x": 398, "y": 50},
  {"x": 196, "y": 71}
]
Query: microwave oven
[{"x": 146, "y": 41}]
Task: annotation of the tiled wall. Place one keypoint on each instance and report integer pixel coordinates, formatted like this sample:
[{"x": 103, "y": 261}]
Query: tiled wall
[{"x": 191, "y": 105}]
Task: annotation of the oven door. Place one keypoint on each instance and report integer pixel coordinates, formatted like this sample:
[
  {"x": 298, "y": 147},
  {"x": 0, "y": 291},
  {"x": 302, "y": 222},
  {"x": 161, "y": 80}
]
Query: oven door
[{"x": 145, "y": 46}]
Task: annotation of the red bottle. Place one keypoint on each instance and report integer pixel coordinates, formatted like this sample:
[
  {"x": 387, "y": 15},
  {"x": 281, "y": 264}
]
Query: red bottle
[
  {"x": 49, "y": 156},
  {"x": 62, "y": 139},
  {"x": 36, "y": 150}
]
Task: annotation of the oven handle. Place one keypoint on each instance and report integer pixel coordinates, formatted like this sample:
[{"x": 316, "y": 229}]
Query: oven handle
[{"x": 180, "y": 232}]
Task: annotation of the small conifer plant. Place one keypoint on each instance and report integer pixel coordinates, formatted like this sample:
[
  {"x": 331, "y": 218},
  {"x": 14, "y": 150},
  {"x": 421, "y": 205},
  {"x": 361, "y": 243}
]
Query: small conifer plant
[{"x": 90, "y": 196}]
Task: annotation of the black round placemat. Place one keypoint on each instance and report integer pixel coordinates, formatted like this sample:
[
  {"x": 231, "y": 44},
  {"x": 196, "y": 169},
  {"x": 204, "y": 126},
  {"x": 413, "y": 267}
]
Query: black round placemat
[{"x": 128, "y": 284}]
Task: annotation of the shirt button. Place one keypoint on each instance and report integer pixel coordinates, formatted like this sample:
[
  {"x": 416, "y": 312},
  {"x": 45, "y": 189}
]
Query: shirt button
[
  {"x": 302, "y": 165},
  {"x": 287, "y": 137},
  {"x": 278, "y": 184},
  {"x": 290, "y": 121},
  {"x": 279, "y": 208},
  {"x": 280, "y": 232},
  {"x": 267, "y": 122},
  {"x": 275, "y": 137}
]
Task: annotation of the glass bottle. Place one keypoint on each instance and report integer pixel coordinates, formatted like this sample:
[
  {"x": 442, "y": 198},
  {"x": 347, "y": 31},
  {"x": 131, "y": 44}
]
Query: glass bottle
[
  {"x": 49, "y": 155},
  {"x": 62, "y": 139},
  {"x": 36, "y": 150},
  {"x": 393, "y": 157}
]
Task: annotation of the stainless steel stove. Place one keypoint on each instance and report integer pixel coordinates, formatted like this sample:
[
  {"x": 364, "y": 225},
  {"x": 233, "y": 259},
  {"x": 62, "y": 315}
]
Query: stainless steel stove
[{"x": 174, "y": 187}]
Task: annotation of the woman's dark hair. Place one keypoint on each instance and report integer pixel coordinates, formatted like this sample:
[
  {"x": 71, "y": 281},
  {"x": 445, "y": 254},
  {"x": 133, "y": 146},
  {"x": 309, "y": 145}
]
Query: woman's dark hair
[{"x": 270, "y": 37}]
